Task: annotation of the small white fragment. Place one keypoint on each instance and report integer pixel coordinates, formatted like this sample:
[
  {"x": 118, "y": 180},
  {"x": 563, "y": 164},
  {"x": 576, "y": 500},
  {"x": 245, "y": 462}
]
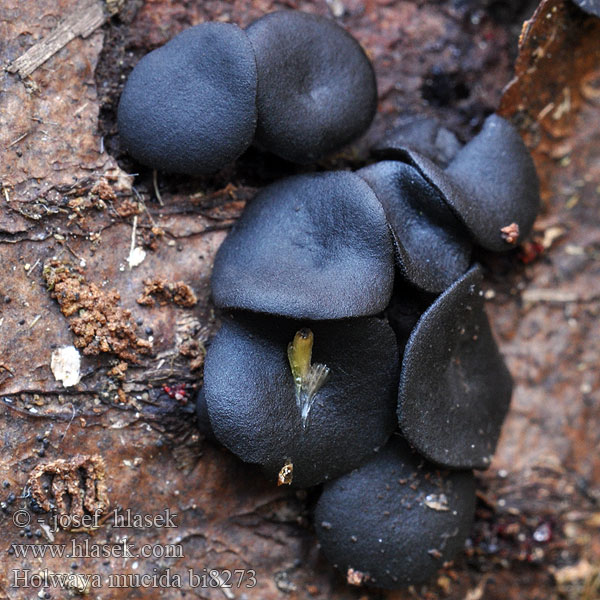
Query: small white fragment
[
  {"x": 437, "y": 502},
  {"x": 47, "y": 531},
  {"x": 336, "y": 7},
  {"x": 65, "y": 365},
  {"x": 136, "y": 257},
  {"x": 136, "y": 254}
]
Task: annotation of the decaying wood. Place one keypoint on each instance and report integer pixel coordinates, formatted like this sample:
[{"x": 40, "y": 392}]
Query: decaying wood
[
  {"x": 70, "y": 196},
  {"x": 83, "y": 21}
]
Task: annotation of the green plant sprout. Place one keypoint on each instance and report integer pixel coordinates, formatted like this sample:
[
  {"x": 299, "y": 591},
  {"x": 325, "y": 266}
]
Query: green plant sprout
[{"x": 308, "y": 377}]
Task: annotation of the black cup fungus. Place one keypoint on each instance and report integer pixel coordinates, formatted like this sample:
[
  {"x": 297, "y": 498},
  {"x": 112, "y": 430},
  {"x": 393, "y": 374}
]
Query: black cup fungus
[
  {"x": 491, "y": 184},
  {"x": 189, "y": 106},
  {"x": 316, "y": 86},
  {"x": 432, "y": 248},
  {"x": 394, "y": 521},
  {"x": 308, "y": 247},
  {"x": 424, "y": 135},
  {"x": 314, "y": 429},
  {"x": 301, "y": 379},
  {"x": 454, "y": 388},
  {"x": 501, "y": 196}
]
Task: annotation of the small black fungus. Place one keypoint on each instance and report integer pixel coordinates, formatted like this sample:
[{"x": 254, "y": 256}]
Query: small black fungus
[
  {"x": 190, "y": 106},
  {"x": 424, "y": 135},
  {"x": 490, "y": 184},
  {"x": 432, "y": 248},
  {"x": 308, "y": 247},
  {"x": 454, "y": 386},
  {"x": 396, "y": 519},
  {"x": 321, "y": 417},
  {"x": 316, "y": 86},
  {"x": 499, "y": 185}
]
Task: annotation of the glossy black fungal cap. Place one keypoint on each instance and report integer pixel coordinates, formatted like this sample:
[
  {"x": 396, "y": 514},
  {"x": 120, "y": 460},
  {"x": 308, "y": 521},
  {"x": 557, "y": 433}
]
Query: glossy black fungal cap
[
  {"x": 189, "y": 106},
  {"x": 432, "y": 248},
  {"x": 454, "y": 386},
  {"x": 425, "y": 135},
  {"x": 251, "y": 395},
  {"x": 308, "y": 247},
  {"x": 589, "y": 6},
  {"x": 394, "y": 521},
  {"x": 499, "y": 185},
  {"x": 316, "y": 86}
]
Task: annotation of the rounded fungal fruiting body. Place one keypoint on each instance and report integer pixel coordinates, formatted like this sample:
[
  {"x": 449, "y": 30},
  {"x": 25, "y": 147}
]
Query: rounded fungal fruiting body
[
  {"x": 432, "y": 247},
  {"x": 192, "y": 105},
  {"x": 490, "y": 184},
  {"x": 308, "y": 247},
  {"x": 394, "y": 521},
  {"x": 499, "y": 186},
  {"x": 316, "y": 86},
  {"x": 300, "y": 384},
  {"x": 455, "y": 389},
  {"x": 189, "y": 106},
  {"x": 424, "y": 135},
  {"x": 317, "y": 397}
]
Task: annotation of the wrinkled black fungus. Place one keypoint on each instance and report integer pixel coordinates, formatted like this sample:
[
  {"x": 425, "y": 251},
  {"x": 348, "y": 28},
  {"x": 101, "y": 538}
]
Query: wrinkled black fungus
[
  {"x": 252, "y": 403},
  {"x": 591, "y": 7},
  {"x": 189, "y": 106},
  {"x": 424, "y": 135},
  {"x": 395, "y": 520},
  {"x": 454, "y": 386},
  {"x": 432, "y": 248},
  {"x": 308, "y": 247},
  {"x": 499, "y": 185},
  {"x": 316, "y": 86}
]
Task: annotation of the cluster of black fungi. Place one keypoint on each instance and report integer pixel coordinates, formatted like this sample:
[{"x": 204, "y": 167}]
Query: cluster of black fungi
[{"x": 355, "y": 351}]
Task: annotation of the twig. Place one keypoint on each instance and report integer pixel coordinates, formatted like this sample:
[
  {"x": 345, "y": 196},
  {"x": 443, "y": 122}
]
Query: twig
[
  {"x": 156, "y": 190},
  {"x": 35, "y": 264},
  {"x": 83, "y": 21},
  {"x": 35, "y": 320},
  {"x": 21, "y": 137}
]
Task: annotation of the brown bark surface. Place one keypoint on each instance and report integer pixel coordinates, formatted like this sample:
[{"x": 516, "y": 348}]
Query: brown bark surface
[{"x": 75, "y": 222}]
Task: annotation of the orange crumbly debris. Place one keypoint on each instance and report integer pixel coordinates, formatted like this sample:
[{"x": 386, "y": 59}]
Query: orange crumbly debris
[
  {"x": 100, "y": 325},
  {"x": 164, "y": 291}
]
